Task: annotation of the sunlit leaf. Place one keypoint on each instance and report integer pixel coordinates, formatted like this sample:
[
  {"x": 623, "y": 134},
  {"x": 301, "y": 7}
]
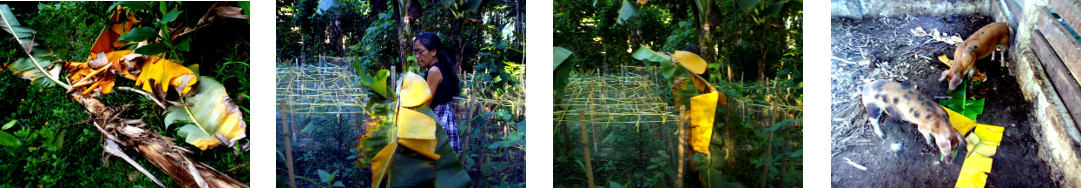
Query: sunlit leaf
[
  {"x": 108, "y": 39},
  {"x": 212, "y": 118},
  {"x": 414, "y": 124},
  {"x": 9, "y": 125},
  {"x": 691, "y": 61},
  {"x": 414, "y": 91},
  {"x": 945, "y": 60},
  {"x": 381, "y": 163},
  {"x": 974, "y": 172},
  {"x": 702, "y": 112},
  {"x": 427, "y": 155},
  {"x": 989, "y": 134},
  {"x": 424, "y": 147},
  {"x": 165, "y": 73},
  {"x": 960, "y": 123}
]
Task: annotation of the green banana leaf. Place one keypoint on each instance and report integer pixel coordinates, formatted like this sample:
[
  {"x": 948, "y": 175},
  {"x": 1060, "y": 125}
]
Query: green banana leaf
[
  {"x": 562, "y": 68},
  {"x": 31, "y": 68},
  {"x": 412, "y": 170},
  {"x": 212, "y": 118},
  {"x": 377, "y": 83},
  {"x": 394, "y": 166},
  {"x": 626, "y": 12},
  {"x": 668, "y": 70},
  {"x": 6, "y": 139}
]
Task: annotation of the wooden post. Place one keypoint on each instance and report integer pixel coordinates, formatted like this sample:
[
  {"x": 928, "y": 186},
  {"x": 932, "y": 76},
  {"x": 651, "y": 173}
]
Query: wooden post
[
  {"x": 682, "y": 143},
  {"x": 393, "y": 79},
  {"x": 288, "y": 146},
  {"x": 592, "y": 116},
  {"x": 585, "y": 147}
]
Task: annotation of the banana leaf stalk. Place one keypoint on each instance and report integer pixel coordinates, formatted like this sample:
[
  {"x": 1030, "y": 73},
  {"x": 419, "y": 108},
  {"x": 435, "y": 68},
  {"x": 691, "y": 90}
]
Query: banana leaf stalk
[{"x": 158, "y": 149}]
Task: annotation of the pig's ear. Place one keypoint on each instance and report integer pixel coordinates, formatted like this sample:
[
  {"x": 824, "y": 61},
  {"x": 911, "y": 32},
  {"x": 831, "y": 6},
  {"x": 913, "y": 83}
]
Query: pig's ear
[
  {"x": 956, "y": 138},
  {"x": 944, "y": 144},
  {"x": 954, "y": 82}
]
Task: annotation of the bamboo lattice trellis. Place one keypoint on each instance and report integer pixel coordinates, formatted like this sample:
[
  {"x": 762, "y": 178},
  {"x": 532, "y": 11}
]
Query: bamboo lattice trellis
[
  {"x": 319, "y": 88},
  {"x": 623, "y": 98}
]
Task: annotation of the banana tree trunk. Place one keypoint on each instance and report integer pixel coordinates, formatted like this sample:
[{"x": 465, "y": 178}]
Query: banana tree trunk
[{"x": 158, "y": 149}]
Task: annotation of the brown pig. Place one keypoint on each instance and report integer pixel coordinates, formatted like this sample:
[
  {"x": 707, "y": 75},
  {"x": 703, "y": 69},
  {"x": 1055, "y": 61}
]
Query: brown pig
[
  {"x": 904, "y": 102},
  {"x": 976, "y": 47}
]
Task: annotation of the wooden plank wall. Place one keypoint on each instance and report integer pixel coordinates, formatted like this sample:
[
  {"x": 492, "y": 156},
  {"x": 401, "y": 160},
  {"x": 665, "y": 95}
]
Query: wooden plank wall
[{"x": 1059, "y": 52}]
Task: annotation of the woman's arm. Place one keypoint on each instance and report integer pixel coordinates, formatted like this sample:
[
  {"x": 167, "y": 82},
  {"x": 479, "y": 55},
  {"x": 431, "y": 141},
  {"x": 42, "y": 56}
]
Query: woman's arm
[{"x": 434, "y": 76}]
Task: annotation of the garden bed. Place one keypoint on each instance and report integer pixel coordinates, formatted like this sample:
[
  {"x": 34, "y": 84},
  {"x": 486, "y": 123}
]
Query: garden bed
[{"x": 882, "y": 48}]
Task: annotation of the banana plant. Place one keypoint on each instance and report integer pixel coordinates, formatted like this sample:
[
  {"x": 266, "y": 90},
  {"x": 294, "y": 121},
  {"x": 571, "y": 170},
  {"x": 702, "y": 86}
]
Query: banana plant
[
  {"x": 701, "y": 97},
  {"x": 39, "y": 58},
  {"x": 424, "y": 157}
]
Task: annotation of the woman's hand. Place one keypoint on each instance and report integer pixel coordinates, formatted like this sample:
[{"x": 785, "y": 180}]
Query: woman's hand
[{"x": 434, "y": 77}]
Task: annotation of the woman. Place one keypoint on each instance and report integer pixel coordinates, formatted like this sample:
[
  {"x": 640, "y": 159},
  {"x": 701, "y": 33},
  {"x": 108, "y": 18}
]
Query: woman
[{"x": 442, "y": 79}]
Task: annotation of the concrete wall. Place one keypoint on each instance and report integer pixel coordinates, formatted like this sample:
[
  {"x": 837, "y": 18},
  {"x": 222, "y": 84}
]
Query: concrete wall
[{"x": 894, "y": 8}]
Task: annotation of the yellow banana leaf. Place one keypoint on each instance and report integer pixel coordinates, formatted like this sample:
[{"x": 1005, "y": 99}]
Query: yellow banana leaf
[
  {"x": 960, "y": 123},
  {"x": 971, "y": 141},
  {"x": 702, "y": 112},
  {"x": 989, "y": 134},
  {"x": 103, "y": 77},
  {"x": 690, "y": 61},
  {"x": 213, "y": 117},
  {"x": 165, "y": 73},
  {"x": 414, "y": 90},
  {"x": 381, "y": 162},
  {"x": 983, "y": 142},
  {"x": 107, "y": 40},
  {"x": 982, "y": 149},
  {"x": 415, "y": 125},
  {"x": 424, "y": 147},
  {"x": 974, "y": 172},
  {"x": 945, "y": 60}
]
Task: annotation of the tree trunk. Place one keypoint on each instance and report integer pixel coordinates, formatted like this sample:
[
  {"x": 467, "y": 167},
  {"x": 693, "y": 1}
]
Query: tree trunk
[{"x": 398, "y": 15}]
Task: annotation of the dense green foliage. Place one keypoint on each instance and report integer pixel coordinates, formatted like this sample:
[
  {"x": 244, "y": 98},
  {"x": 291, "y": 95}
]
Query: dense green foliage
[{"x": 53, "y": 151}]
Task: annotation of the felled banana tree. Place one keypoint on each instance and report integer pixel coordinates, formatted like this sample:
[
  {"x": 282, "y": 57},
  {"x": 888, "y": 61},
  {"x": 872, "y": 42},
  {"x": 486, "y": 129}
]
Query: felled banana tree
[
  {"x": 701, "y": 97},
  {"x": 211, "y": 111},
  {"x": 405, "y": 146}
]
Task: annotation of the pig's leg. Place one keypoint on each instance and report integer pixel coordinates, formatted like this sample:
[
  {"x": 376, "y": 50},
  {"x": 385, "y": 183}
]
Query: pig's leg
[
  {"x": 874, "y": 112},
  {"x": 927, "y": 137}
]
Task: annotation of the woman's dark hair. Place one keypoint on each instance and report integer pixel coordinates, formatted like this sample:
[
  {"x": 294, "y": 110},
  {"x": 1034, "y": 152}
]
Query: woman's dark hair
[
  {"x": 431, "y": 41},
  {"x": 693, "y": 48}
]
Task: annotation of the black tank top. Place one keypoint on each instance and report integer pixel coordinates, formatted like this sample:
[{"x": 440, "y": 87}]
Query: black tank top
[{"x": 448, "y": 87}]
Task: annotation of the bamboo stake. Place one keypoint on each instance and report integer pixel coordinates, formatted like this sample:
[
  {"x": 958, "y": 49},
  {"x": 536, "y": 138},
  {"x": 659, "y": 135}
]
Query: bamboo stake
[
  {"x": 682, "y": 143},
  {"x": 585, "y": 147},
  {"x": 591, "y": 116},
  {"x": 288, "y": 148}
]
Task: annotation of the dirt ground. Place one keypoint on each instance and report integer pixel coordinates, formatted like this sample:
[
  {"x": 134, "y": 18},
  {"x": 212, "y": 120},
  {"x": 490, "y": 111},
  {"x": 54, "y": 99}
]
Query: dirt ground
[{"x": 882, "y": 48}]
